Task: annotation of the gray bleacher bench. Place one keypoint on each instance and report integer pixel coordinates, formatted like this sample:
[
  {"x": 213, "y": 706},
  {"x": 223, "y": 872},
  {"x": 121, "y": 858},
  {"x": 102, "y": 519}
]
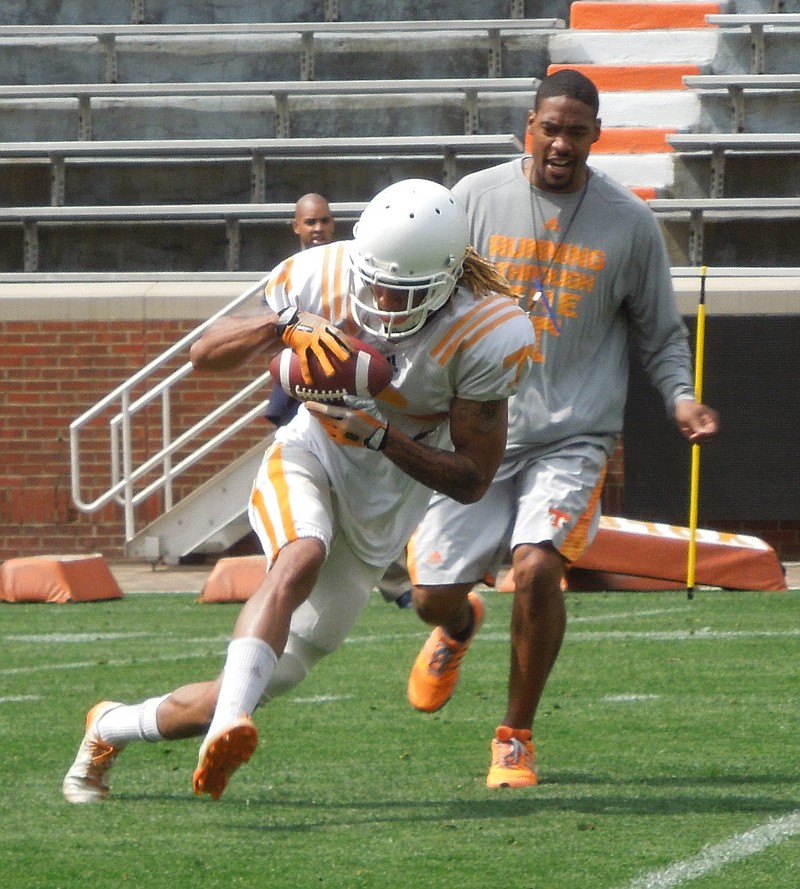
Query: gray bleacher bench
[
  {"x": 109, "y": 35},
  {"x": 719, "y": 145},
  {"x": 699, "y": 210},
  {"x": 756, "y": 24},
  {"x": 280, "y": 91},
  {"x": 258, "y": 152},
  {"x": 230, "y": 215},
  {"x": 737, "y": 84}
]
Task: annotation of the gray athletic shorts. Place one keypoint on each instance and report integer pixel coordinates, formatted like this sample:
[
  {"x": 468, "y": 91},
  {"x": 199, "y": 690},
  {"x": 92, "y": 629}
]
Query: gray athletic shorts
[{"x": 555, "y": 498}]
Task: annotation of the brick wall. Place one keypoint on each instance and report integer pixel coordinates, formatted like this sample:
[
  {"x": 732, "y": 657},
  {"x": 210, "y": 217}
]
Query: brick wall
[{"x": 51, "y": 372}]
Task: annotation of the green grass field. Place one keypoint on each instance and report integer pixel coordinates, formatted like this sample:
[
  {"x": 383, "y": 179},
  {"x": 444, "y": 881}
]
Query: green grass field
[{"x": 667, "y": 746}]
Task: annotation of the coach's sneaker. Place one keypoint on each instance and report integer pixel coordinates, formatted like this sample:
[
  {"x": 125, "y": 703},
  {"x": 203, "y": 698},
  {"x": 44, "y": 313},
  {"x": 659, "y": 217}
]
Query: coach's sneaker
[
  {"x": 222, "y": 754},
  {"x": 435, "y": 671},
  {"x": 513, "y": 763},
  {"x": 87, "y": 779}
]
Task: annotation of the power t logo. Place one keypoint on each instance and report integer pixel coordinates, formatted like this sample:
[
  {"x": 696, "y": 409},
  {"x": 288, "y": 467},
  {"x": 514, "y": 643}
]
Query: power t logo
[{"x": 558, "y": 518}]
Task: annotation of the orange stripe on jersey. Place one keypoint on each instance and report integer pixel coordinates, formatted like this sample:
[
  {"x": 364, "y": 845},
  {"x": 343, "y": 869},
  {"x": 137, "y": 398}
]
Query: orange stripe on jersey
[
  {"x": 520, "y": 358},
  {"x": 334, "y": 284},
  {"x": 578, "y": 538},
  {"x": 392, "y": 396},
  {"x": 490, "y": 318},
  {"x": 487, "y": 304},
  {"x": 283, "y": 277}
]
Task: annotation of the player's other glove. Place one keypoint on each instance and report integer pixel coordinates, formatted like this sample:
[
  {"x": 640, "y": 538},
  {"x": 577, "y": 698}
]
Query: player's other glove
[
  {"x": 350, "y": 427},
  {"x": 306, "y": 334}
]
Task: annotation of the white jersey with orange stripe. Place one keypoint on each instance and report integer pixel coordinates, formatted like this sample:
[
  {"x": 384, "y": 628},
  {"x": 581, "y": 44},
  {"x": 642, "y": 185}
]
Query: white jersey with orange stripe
[{"x": 475, "y": 349}]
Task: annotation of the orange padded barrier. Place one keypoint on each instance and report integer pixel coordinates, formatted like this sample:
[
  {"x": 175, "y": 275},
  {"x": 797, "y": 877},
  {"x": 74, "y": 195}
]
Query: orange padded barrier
[
  {"x": 629, "y": 554},
  {"x": 59, "y": 579},
  {"x": 627, "y": 78},
  {"x": 603, "y": 16},
  {"x": 234, "y": 579}
]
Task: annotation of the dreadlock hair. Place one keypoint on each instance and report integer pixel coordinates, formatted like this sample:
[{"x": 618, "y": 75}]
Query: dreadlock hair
[{"x": 482, "y": 276}]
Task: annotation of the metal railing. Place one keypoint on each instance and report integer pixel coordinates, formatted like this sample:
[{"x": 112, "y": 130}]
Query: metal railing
[{"x": 124, "y": 486}]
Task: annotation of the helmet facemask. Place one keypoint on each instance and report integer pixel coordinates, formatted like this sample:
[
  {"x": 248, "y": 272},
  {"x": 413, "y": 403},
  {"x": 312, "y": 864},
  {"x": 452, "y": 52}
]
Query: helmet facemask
[{"x": 422, "y": 295}]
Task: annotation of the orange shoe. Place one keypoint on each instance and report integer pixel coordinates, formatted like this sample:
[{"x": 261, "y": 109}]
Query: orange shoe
[
  {"x": 222, "y": 754},
  {"x": 435, "y": 672},
  {"x": 513, "y": 763}
]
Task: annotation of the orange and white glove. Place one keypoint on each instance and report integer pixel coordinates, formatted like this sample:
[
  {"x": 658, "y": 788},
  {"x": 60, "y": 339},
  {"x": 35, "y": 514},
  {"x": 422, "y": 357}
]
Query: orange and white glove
[
  {"x": 345, "y": 426},
  {"x": 306, "y": 334}
]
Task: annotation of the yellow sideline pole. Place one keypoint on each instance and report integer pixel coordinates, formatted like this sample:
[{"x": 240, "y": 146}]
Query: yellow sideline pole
[{"x": 694, "y": 483}]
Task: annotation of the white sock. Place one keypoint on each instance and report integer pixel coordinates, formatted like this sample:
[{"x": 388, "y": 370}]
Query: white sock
[
  {"x": 131, "y": 722},
  {"x": 249, "y": 665}
]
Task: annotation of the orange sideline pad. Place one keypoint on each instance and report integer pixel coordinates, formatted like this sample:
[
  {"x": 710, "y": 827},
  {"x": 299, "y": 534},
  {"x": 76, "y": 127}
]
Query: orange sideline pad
[
  {"x": 600, "y": 16},
  {"x": 633, "y": 78},
  {"x": 632, "y": 555},
  {"x": 58, "y": 579},
  {"x": 234, "y": 579}
]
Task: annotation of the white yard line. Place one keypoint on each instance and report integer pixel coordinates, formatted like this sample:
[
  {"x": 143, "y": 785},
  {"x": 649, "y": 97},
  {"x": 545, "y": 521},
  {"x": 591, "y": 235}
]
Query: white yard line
[{"x": 729, "y": 851}]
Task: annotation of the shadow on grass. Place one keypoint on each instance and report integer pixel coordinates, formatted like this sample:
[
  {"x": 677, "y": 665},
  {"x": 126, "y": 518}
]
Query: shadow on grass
[{"x": 298, "y": 814}]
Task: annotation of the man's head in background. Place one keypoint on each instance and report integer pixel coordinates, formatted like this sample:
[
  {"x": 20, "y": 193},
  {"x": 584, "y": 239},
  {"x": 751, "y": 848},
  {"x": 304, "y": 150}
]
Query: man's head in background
[{"x": 313, "y": 222}]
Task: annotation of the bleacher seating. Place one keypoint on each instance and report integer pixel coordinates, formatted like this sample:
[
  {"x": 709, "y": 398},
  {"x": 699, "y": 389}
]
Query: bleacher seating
[
  {"x": 189, "y": 237},
  {"x": 249, "y": 109},
  {"x": 717, "y": 165},
  {"x": 152, "y": 104},
  {"x": 774, "y": 93},
  {"x": 46, "y": 12},
  {"x": 750, "y": 226},
  {"x": 759, "y": 38},
  {"x": 274, "y": 50},
  {"x": 177, "y": 170}
]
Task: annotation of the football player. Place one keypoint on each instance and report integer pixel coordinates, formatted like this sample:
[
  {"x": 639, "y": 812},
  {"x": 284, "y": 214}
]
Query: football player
[{"x": 342, "y": 488}]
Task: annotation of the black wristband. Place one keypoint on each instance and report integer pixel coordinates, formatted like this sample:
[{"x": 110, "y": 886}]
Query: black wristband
[
  {"x": 287, "y": 317},
  {"x": 377, "y": 441}
]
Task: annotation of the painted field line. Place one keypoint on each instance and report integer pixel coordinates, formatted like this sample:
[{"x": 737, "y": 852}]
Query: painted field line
[
  {"x": 122, "y": 662},
  {"x": 729, "y": 851},
  {"x": 701, "y": 635},
  {"x": 16, "y": 699}
]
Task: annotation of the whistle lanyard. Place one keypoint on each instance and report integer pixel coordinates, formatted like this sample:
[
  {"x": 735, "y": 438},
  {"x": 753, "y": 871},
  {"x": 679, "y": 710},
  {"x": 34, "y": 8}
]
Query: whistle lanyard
[{"x": 539, "y": 280}]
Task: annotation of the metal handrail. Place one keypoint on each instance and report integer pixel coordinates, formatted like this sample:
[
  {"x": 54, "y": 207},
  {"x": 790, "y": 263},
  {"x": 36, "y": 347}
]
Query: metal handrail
[{"x": 123, "y": 474}]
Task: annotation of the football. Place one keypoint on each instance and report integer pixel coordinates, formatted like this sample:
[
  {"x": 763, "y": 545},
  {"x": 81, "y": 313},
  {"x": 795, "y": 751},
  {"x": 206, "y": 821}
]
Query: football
[{"x": 365, "y": 373}]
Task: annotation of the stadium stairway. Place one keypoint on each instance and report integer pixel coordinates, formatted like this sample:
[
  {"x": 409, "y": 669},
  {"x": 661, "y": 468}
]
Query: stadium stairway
[{"x": 637, "y": 54}]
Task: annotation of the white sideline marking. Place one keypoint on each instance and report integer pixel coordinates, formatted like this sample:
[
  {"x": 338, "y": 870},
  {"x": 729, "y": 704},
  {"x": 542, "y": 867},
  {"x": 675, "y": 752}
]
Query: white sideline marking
[
  {"x": 322, "y": 699},
  {"x": 703, "y": 634},
  {"x": 684, "y": 635},
  {"x": 619, "y": 615},
  {"x": 75, "y": 637},
  {"x": 122, "y": 662},
  {"x": 14, "y": 699},
  {"x": 629, "y": 698},
  {"x": 714, "y": 858}
]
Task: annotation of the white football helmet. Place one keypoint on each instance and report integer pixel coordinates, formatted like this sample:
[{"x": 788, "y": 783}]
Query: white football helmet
[{"x": 412, "y": 237}]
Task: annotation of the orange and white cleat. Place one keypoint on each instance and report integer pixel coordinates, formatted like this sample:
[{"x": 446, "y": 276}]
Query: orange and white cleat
[
  {"x": 513, "y": 759},
  {"x": 435, "y": 672},
  {"x": 221, "y": 754},
  {"x": 87, "y": 779}
]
